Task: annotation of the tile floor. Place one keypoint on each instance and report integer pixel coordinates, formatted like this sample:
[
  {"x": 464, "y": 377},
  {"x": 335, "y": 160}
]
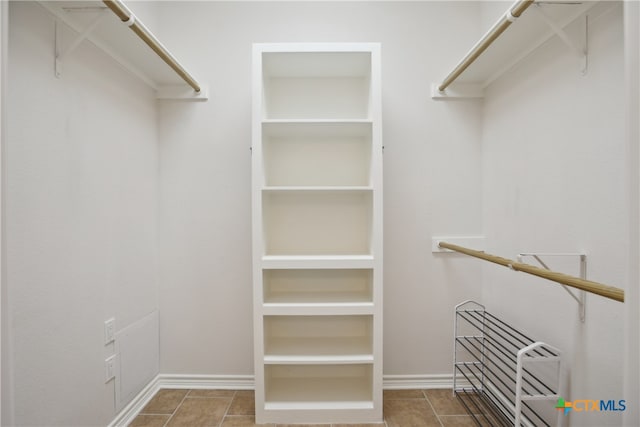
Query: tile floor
[{"x": 230, "y": 408}]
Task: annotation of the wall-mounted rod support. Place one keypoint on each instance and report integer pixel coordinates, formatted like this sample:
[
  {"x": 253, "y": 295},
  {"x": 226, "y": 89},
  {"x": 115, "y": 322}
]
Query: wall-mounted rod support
[
  {"x": 580, "y": 52},
  {"x": 498, "y": 28},
  {"x": 611, "y": 292},
  {"x": 582, "y": 296},
  {"x": 137, "y": 27},
  {"x": 62, "y": 54}
]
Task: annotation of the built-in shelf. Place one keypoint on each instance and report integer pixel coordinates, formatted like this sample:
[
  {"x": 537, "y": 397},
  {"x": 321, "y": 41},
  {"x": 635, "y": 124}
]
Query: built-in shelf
[
  {"x": 337, "y": 82},
  {"x": 317, "y": 233},
  {"x": 113, "y": 37},
  {"x": 537, "y": 24},
  {"x": 317, "y": 261},
  {"x": 318, "y": 287},
  {"x": 329, "y": 299},
  {"x": 329, "y": 124},
  {"x": 328, "y": 153},
  {"x": 295, "y": 359},
  {"x": 311, "y": 338},
  {"x": 317, "y": 223},
  {"x": 318, "y": 309},
  {"x": 311, "y": 404},
  {"x": 317, "y": 188},
  {"x": 319, "y": 386}
]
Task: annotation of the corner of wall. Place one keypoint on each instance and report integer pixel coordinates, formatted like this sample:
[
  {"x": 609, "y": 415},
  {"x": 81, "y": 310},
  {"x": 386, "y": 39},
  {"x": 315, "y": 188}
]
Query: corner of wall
[
  {"x": 6, "y": 417},
  {"x": 632, "y": 304}
]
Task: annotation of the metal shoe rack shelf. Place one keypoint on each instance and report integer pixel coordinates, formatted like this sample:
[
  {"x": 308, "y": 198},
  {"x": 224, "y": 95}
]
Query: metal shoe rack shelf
[{"x": 503, "y": 377}]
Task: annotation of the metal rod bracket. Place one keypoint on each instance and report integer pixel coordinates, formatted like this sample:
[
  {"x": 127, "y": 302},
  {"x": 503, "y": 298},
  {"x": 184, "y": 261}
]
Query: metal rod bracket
[
  {"x": 606, "y": 291},
  {"x": 60, "y": 52},
  {"x": 581, "y": 296},
  {"x": 580, "y": 52}
]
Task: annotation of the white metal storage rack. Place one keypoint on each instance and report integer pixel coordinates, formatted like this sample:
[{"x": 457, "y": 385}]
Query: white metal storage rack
[
  {"x": 502, "y": 376},
  {"x": 317, "y": 233}
]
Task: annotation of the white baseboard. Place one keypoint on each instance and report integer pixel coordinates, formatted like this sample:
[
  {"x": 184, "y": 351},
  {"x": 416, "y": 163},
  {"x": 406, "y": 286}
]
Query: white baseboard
[
  {"x": 219, "y": 382},
  {"x": 403, "y": 382},
  {"x": 129, "y": 412},
  {"x": 246, "y": 382}
]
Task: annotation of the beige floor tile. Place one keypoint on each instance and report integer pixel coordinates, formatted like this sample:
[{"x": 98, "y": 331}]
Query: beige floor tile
[
  {"x": 358, "y": 425},
  {"x": 242, "y": 405},
  {"x": 474, "y": 404},
  {"x": 457, "y": 421},
  {"x": 207, "y": 408},
  {"x": 304, "y": 425},
  {"x": 409, "y": 413},
  {"x": 444, "y": 402},
  {"x": 242, "y": 421},
  {"x": 149, "y": 421},
  {"x": 488, "y": 420},
  {"x": 197, "y": 412},
  {"x": 402, "y": 394},
  {"x": 164, "y": 402},
  {"x": 483, "y": 414},
  {"x": 211, "y": 393},
  {"x": 246, "y": 393}
]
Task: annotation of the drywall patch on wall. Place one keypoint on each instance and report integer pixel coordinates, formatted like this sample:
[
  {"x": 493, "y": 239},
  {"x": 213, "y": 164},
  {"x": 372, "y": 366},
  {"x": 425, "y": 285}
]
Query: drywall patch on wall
[{"x": 137, "y": 349}]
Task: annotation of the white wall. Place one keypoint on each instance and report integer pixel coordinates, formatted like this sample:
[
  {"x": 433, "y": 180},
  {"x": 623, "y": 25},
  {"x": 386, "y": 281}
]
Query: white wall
[
  {"x": 82, "y": 197},
  {"x": 4, "y": 37},
  {"x": 556, "y": 179},
  {"x": 431, "y": 184},
  {"x": 81, "y": 229},
  {"x": 632, "y": 306}
]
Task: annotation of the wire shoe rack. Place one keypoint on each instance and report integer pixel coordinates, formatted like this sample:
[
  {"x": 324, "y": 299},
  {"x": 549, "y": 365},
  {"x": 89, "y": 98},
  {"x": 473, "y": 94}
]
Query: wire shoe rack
[{"x": 503, "y": 377}]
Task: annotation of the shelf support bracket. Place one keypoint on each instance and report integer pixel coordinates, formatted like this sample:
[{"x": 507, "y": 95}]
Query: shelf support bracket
[
  {"x": 60, "y": 53},
  {"x": 580, "y": 52},
  {"x": 580, "y": 298}
]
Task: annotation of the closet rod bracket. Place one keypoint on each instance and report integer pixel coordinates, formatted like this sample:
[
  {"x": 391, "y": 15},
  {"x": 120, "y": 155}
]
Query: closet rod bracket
[
  {"x": 581, "y": 296},
  {"x": 60, "y": 52},
  {"x": 580, "y": 52}
]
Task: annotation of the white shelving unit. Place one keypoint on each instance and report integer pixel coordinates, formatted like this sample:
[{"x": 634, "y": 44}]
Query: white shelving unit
[{"x": 317, "y": 233}]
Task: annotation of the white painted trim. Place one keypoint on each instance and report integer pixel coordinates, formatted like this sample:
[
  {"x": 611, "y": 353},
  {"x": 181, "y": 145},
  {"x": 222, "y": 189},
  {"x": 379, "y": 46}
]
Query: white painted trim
[
  {"x": 632, "y": 303},
  {"x": 219, "y": 382},
  {"x": 169, "y": 381},
  {"x": 137, "y": 342},
  {"x": 4, "y": 45},
  {"x": 303, "y": 47},
  {"x": 131, "y": 410},
  {"x": 182, "y": 93},
  {"x": 246, "y": 382},
  {"x": 473, "y": 242},
  {"x": 404, "y": 382},
  {"x": 458, "y": 91}
]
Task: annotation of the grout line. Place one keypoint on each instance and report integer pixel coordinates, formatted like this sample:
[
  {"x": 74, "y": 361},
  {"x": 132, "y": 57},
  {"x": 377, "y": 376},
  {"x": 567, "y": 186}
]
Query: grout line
[
  {"x": 432, "y": 408},
  {"x": 226, "y": 411},
  {"x": 149, "y": 413},
  {"x": 177, "y": 407},
  {"x": 235, "y": 394},
  {"x": 210, "y": 397}
]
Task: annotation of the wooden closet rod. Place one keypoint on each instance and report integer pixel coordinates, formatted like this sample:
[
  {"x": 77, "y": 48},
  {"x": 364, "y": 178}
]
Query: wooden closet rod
[
  {"x": 564, "y": 279},
  {"x": 137, "y": 27},
  {"x": 498, "y": 28}
]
